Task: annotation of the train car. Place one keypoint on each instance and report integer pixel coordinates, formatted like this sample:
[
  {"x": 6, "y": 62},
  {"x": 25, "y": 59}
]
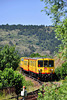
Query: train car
[{"x": 42, "y": 68}]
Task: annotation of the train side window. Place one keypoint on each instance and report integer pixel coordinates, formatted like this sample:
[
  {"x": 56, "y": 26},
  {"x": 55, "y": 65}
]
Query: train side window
[
  {"x": 33, "y": 63},
  {"x": 24, "y": 62},
  {"x": 45, "y": 63},
  {"x": 40, "y": 63},
  {"x": 21, "y": 59}
]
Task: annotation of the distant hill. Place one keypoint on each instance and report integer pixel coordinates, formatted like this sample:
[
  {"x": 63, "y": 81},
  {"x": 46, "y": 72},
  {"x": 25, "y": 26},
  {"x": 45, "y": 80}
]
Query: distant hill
[{"x": 29, "y": 38}]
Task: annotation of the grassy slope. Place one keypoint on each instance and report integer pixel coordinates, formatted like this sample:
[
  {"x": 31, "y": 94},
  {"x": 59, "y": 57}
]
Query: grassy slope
[
  {"x": 22, "y": 42},
  {"x": 42, "y": 40}
]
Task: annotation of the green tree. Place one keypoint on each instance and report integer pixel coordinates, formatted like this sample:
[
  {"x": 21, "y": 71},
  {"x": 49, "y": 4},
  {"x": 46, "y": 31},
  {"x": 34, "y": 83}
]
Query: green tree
[
  {"x": 61, "y": 34},
  {"x": 61, "y": 72},
  {"x": 0, "y": 79},
  {"x": 18, "y": 82},
  {"x": 54, "y": 92},
  {"x": 8, "y": 58},
  {"x": 9, "y": 77},
  {"x": 57, "y": 10},
  {"x": 35, "y": 55}
]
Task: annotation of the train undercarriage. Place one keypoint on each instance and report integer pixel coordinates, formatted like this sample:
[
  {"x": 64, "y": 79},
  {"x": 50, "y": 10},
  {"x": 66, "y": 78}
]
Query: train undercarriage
[{"x": 40, "y": 76}]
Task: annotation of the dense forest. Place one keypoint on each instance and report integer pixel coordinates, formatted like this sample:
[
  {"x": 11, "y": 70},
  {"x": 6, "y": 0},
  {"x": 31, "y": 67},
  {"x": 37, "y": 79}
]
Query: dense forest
[{"x": 30, "y": 39}]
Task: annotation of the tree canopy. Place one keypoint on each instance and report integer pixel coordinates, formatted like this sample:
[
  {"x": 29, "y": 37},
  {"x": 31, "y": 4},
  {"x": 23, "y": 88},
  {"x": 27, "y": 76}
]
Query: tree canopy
[
  {"x": 57, "y": 10},
  {"x": 9, "y": 77},
  {"x": 8, "y": 58}
]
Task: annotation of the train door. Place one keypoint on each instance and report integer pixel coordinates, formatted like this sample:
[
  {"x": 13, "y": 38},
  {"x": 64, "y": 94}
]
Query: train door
[
  {"x": 36, "y": 66},
  {"x": 35, "y": 69},
  {"x": 28, "y": 64}
]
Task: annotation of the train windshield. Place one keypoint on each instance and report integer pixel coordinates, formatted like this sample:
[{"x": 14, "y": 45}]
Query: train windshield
[
  {"x": 46, "y": 63},
  {"x": 40, "y": 63},
  {"x": 51, "y": 63}
]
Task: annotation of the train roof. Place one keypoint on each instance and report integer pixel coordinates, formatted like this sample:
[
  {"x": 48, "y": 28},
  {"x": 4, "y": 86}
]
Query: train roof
[{"x": 35, "y": 58}]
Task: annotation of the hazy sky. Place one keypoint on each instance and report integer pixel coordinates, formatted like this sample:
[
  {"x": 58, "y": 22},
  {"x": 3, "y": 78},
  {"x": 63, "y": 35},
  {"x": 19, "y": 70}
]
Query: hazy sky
[{"x": 25, "y": 12}]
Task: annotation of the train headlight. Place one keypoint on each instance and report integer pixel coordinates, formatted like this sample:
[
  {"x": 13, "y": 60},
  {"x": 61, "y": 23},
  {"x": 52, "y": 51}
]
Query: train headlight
[
  {"x": 51, "y": 70},
  {"x": 40, "y": 70}
]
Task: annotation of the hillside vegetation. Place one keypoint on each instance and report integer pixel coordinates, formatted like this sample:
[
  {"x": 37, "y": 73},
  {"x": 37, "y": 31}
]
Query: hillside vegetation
[{"x": 29, "y": 39}]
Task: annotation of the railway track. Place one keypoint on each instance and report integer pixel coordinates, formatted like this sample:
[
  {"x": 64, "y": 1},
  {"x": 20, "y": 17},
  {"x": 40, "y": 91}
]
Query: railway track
[
  {"x": 34, "y": 78},
  {"x": 30, "y": 96},
  {"x": 34, "y": 94}
]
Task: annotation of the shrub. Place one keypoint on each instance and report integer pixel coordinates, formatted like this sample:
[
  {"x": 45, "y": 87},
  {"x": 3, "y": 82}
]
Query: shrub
[
  {"x": 18, "y": 82},
  {"x": 62, "y": 71},
  {"x": 0, "y": 85},
  {"x": 64, "y": 65},
  {"x": 7, "y": 77},
  {"x": 53, "y": 92},
  {"x": 8, "y": 58}
]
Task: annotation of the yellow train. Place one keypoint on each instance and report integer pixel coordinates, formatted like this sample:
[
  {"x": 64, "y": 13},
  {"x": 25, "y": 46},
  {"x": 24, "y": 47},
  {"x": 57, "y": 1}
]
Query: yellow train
[{"x": 42, "y": 68}]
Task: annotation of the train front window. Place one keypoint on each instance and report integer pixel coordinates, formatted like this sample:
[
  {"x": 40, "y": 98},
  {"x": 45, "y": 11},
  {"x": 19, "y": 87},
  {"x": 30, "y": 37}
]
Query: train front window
[
  {"x": 45, "y": 63},
  {"x": 40, "y": 63},
  {"x": 51, "y": 63}
]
